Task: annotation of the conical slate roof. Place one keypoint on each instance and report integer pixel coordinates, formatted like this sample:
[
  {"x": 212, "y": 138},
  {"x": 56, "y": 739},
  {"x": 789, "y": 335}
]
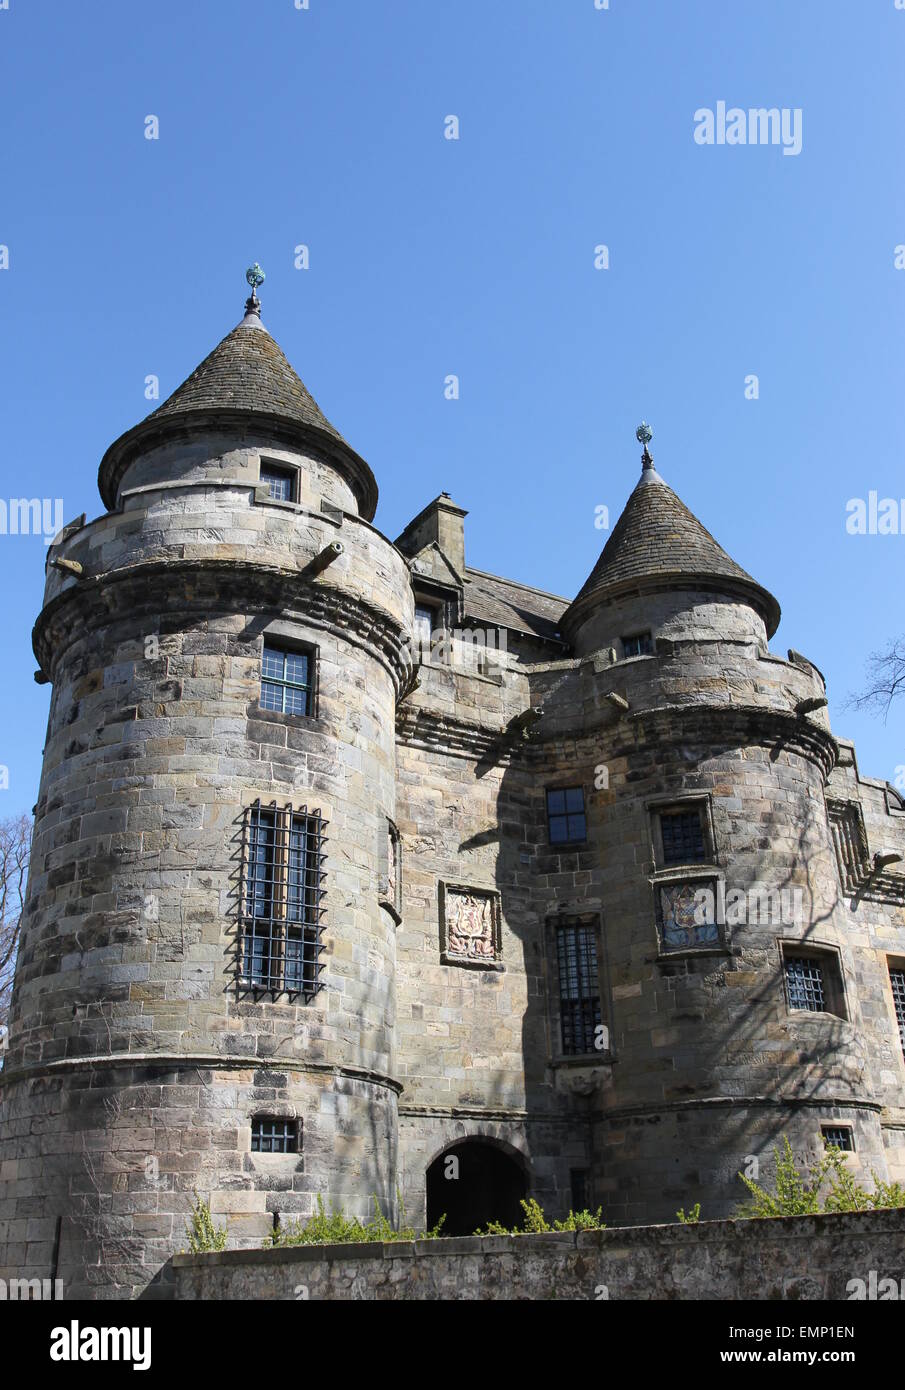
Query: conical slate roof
[
  {"x": 247, "y": 371},
  {"x": 247, "y": 377},
  {"x": 658, "y": 542}
]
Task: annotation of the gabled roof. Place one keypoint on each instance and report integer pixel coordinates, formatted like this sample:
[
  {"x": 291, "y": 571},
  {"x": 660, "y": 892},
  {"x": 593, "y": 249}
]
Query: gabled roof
[
  {"x": 247, "y": 377},
  {"x": 658, "y": 542},
  {"x": 506, "y": 603}
]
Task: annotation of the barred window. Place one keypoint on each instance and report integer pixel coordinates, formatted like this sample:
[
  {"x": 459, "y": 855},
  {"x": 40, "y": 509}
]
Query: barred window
[
  {"x": 280, "y": 481},
  {"x": 682, "y": 833},
  {"x": 838, "y": 1137},
  {"x": 804, "y": 982},
  {"x": 287, "y": 680},
  {"x": 566, "y": 821},
  {"x": 897, "y": 980},
  {"x": 281, "y": 913},
  {"x": 270, "y": 1135},
  {"x": 813, "y": 979},
  {"x": 579, "y": 992},
  {"x": 640, "y": 644}
]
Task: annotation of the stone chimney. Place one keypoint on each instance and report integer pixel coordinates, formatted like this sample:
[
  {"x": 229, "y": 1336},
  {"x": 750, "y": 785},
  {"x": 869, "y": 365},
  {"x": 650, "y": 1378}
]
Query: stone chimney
[{"x": 441, "y": 522}]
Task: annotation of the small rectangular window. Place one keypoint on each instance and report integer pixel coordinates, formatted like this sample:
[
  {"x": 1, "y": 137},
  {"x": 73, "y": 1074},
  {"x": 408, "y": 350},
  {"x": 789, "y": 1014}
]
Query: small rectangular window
[
  {"x": 280, "y": 937},
  {"x": 897, "y": 981},
  {"x": 813, "y": 980},
  {"x": 805, "y": 984},
  {"x": 579, "y": 991},
  {"x": 682, "y": 834},
  {"x": 838, "y": 1137},
  {"x": 280, "y": 481},
  {"x": 566, "y": 820},
  {"x": 287, "y": 680},
  {"x": 639, "y": 644},
  {"x": 426, "y": 624},
  {"x": 270, "y": 1135},
  {"x": 579, "y": 1183}
]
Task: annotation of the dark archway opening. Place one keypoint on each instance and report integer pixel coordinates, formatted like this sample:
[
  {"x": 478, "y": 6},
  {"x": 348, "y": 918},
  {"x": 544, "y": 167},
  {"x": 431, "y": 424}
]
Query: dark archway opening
[{"x": 473, "y": 1183}]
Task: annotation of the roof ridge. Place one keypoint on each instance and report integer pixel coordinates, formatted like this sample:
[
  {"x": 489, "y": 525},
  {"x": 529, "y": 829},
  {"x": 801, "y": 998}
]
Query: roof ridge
[{"x": 515, "y": 584}]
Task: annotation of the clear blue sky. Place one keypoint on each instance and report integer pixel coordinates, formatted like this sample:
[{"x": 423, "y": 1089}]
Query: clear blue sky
[{"x": 431, "y": 257}]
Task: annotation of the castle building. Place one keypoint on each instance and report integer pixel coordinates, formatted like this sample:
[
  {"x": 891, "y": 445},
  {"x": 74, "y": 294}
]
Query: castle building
[{"x": 358, "y": 872}]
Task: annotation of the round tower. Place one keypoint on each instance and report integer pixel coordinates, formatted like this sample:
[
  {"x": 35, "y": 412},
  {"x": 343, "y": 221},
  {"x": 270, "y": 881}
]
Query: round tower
[
  {"x": 205, "y": 994},
  {"x": 726, "y": 970}
]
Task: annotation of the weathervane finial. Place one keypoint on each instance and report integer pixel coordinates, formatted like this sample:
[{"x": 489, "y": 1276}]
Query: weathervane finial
[
  {"x": 255, "y": 277},
  {"x": 644, "y": 434}
]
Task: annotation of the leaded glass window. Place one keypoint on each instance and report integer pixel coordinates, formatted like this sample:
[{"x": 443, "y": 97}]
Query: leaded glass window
[
  {"x": 579, "y": 991},
  {"x": 287, "y": 680}
]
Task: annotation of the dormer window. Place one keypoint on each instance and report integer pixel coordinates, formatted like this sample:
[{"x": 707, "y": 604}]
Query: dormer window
[
  {"x": 638, "y": 644},
  {"x": 281, "y": 481}
]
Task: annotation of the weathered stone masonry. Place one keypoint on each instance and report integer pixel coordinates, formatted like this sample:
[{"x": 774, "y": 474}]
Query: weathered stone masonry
[{"x": 138, "y": 1059}]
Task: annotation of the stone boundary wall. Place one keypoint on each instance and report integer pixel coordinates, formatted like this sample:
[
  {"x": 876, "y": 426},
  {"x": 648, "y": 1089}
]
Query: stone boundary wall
[{"x": 788, "y": 1258}]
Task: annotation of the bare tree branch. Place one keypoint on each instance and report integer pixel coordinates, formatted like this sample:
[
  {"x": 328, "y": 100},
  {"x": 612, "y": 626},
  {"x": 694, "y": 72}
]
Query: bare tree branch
[
  {"x": 15, "y": 844},
  {"x": 884, "y": 680}
]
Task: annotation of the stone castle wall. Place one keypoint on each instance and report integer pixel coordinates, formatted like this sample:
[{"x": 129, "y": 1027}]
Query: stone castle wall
[
  {"x": 136, "y": 1061},
  {"x": 789, "y": 1260}
]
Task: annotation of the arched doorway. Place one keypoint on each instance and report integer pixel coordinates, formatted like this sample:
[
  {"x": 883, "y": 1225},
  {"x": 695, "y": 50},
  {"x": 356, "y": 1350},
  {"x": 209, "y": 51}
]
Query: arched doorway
[{"x": 472, "y": 1183}]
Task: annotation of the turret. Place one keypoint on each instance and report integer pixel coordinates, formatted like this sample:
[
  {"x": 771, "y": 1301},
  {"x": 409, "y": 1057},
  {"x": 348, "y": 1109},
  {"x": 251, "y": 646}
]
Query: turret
[{"x": 205, "y": 996}]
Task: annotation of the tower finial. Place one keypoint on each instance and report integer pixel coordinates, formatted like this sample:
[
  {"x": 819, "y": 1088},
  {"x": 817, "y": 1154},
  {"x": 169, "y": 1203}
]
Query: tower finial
[
  {"x": 255, "y": 277},
  {"x": 644, "y": 434}
]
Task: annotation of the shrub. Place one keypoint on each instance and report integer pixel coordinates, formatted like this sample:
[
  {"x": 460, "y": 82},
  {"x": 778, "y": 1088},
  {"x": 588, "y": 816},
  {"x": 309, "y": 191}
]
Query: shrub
[
  {"x": 535, "y": 1222},
  {"x": 203, "y": 1236},
  {"x": 336, "y": 1228},
  {"x": 799, "y": 1193}
]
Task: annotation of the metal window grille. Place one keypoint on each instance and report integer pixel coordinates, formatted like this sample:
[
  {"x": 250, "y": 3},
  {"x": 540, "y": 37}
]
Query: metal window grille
[
  {"x": 286, "y": 680},
  {"x": 281, "y": 482},
  {"x": 804, "y": 981},
  {"x": 566, "y": 821},
  {"x": 682, "y": 833},
  {"x": 897, "y": 980},
  {"x": 639, "y": 645},
  {"x": 579, "y": 993},
  {"x": 838, "y": 1137},
  {"x": 273, "y": 1136},
  {"x": 281, "y": 912}
]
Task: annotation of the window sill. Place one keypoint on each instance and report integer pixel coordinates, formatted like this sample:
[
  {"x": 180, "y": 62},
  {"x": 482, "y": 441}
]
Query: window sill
[
  {"x": 698, "y": 868},
  {"x": 263, "y": 498},
  {"x": 278, "y": 716},
  {"x": 577, "y": 1060},
  {"x": 469, "y": 964},
  {"x": 691, "y": 952},
  {"x": 818, "y": 1015}
]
